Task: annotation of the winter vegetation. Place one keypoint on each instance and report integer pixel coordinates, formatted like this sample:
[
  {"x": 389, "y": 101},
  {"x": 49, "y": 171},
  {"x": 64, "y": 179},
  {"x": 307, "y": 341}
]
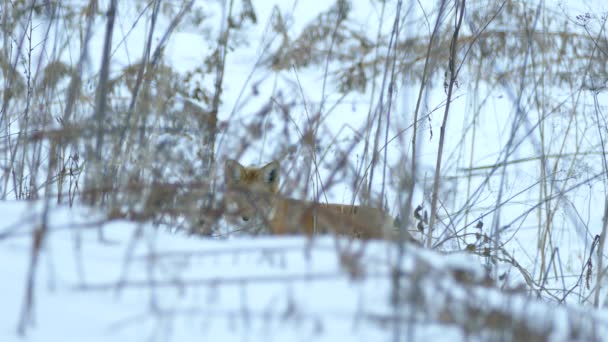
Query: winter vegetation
[{"x": 479, "y": 126}]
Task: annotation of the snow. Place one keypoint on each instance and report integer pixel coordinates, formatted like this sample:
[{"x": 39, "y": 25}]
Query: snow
[
  {"x": 147, "y": 283},
  {"x": 144, "y": 283},
  {"x": 132, "y": 288}
]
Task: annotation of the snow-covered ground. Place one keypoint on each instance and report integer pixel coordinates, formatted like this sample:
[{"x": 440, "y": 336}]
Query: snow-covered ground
[{"x": 144, "y": 284}]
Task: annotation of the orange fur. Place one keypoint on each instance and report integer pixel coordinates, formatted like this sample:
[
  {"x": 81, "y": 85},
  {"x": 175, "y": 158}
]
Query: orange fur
[{"x": 252, "y": 202}]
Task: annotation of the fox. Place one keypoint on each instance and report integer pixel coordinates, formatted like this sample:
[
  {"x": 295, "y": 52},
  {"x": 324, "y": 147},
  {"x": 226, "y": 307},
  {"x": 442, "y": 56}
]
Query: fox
[{"x": 252, "y": 202}]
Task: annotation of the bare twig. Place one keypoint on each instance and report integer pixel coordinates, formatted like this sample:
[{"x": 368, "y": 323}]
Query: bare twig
[{"x": 453, "y": 74}]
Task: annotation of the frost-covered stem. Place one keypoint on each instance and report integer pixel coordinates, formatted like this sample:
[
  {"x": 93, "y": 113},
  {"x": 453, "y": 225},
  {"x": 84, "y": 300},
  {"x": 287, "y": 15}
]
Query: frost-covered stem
[
  {"x": 210, "y": 122},
  {"x": 425, "y": 71},
  {"x": 95, "y": 173},
  {"x": 375, "y": 72},
  {"x": 139, "y": 80},
  {"x": 396, "y": 274},
  {"x": 460, "y": 6},
  {"x": 38, "y": 237},
  {"x": 380, "y": 109},
  {"x": 26, "y": 316},
  {"x": 23, "y": 134},
  {"x": 600, "y": 252},
  {"x": 75, "y": 81},
  {"x": 600, "y": 256}
]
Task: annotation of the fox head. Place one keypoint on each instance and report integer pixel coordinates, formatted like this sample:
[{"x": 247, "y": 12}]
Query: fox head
[
  {"x": 249, "y": 193},
  {"x": 265, "y": 178}
]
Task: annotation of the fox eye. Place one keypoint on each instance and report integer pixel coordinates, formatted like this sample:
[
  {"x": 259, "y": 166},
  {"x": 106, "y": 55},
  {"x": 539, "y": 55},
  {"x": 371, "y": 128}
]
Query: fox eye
[{"x": 245, "y": 218}]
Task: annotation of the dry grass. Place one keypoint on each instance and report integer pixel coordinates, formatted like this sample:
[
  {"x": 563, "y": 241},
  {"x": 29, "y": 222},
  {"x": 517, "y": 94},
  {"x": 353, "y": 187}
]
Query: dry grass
[{"x": 140, "y": 140}]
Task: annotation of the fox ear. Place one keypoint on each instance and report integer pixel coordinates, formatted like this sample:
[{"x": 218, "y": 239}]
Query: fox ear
[
  {"x": 271, "y": 173},
  {"x": 233, "y": 171}
]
